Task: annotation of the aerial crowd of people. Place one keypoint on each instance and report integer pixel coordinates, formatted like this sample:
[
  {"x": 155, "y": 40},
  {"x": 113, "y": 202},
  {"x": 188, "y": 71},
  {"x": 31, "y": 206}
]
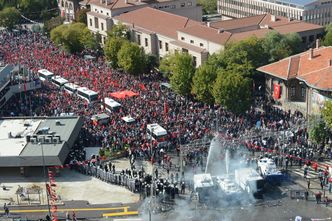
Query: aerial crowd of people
[{"x": 184, "y": 119}]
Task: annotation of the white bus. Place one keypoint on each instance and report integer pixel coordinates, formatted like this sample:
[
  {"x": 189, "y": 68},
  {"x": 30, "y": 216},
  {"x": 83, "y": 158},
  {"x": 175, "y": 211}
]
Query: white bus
[
  {"x": 71, "y": 88},
  {"x": 45, "y": 75},
  {"x": 59, "y": 81},
  {"x": 156, "y": 132},
  {"x": 89, "y": 95},
  {"x": 111, "y": 105}
]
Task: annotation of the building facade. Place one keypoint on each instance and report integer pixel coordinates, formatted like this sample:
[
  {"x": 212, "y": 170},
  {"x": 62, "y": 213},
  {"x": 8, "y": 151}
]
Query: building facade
[
  {"x": 313, "y": 11},
  {"x": 102, "y": 11},
  {"x": 301, "y": 82},
  {"x": 68, "y": 8},
  {"x": 160, "y": 33}
]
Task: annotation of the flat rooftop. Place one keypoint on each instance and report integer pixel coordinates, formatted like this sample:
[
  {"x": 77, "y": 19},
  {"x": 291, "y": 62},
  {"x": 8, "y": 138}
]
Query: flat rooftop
[
  {"x": 13, "y": 135},
  {"x": 22, "y": 140}
]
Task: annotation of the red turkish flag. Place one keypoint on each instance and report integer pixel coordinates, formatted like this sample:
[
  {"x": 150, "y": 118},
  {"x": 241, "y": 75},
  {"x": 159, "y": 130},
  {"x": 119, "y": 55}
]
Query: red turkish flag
[{"x": 276, "y": 91}]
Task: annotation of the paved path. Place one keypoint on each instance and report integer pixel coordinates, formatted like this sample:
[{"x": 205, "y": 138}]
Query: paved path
[{"x": 81, "y": 208}]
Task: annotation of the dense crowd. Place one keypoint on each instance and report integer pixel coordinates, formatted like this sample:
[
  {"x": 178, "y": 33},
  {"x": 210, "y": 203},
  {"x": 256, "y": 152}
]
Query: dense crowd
[{"x": 184, "y": 119}]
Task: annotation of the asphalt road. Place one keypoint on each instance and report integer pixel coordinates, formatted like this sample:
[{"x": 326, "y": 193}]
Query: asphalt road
[{"x": 81, "y": 208}]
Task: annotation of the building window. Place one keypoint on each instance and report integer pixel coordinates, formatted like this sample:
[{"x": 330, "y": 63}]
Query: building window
[
  {"x": 184, "y": 50},
  {"x": 191, "y": 41},
  {"x": 91, "y": 22},
  {"x": 96, "y": 23},
  {"x": 182, "y": 38},
  {"x": 139, "y": 39},
  {"x": 183, "y": 4},
  {"x": 102, "y": 26},
  {"x": 190, "y": 4},
  {"x": 201, "y": 44},
  {"x": 146, "y": 42},
  {"x": 160, "y": 45},
  {"x": 303, "y": 91},
  {"x": 166, "y": 46},
  {"x": 172, "y": 6},
  {"x": 107, "y": 14},
  {"x": 101, "y": 11},
  {"x": 292, "y": 91},
  {"x": 194, "y": 61}
]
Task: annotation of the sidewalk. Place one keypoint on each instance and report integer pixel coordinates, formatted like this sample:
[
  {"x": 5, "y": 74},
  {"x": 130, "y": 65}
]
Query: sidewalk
[{"x": 314, "y": 186}]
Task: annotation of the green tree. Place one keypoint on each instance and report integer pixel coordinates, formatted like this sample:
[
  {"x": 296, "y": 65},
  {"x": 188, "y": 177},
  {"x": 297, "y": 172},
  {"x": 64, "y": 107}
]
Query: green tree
[
  {"x": 327, "y": 40},
  {"x": 278, "y": 46},
  {"x": 119, "y": 31},
  {"x": 294, "y": 41},
  {"x": 203, "y": 80},
  {"x": 88, "y": 40},
  {"x": 73, "y": 37},
  {"x": 241, "y": 57},
  {"x": 131, "y": 58},
  {"x": 166, "y": 64},
  {"x": 9, "y": 17},
  {"x": 150, "y": 62},
  {"x": 80, "y": 16},
  {"x": 233, "y": 91},
  {"x": 182, "y": 72},
  {"x": 327, "y": 113},
  {"x": 208, "y": 6},
  {"x": 53, "y": 23},
  {"x": 112, "y": 48},
  {"x": 318, "y": 133}
]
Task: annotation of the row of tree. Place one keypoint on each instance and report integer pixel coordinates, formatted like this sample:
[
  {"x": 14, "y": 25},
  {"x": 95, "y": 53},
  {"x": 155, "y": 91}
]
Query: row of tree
[
  {"x": 227, "y": 77},
  {"x": 74, "y": 37},
  {"x": 121, "y": 53},
  {"x": 40, "y": 10}
]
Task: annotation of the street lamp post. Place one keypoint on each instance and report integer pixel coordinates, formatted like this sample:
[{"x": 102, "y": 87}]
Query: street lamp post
[{"x": 45, "y": 179}]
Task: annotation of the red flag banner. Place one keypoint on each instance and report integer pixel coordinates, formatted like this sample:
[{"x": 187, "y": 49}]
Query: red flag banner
[
  {"x": 141, "y": 86},
  {"x": 165, "y": 108},
  {"x": 276, "y": 91}
]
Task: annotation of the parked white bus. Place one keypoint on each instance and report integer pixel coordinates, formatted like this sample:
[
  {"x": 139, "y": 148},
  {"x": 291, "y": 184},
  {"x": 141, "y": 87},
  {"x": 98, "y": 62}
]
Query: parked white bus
[
  {"x": 45, "y": 75},
  {"x": 59, "y": 81},
  {"x": 71, "y": 88},
  {"x": 87, "y": 94},
  {"x": 111, "y": 105}
]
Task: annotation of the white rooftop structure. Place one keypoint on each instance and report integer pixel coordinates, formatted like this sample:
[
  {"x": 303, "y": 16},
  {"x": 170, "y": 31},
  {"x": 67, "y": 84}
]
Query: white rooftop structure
[
  {"x": 128, "y": 119},
  {"x": 13, "y": 133},
  {"x": 87, "y": 91},
  {"x": 60, "y": 80},
  {"x": 156, "y": 129},
  {"x": 111, "y": 103},
  {"x": 46, "y": 73}
]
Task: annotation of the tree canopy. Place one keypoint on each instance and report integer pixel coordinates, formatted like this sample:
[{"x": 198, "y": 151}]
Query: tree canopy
[
  {"x": 327, "y": 40},
  {"x": 74, "y": 37},
  {"x": 119, "y": 31},
  {"x": 278, "y": 46},
  {"x": 318, "y": 132},
  {"x": 208, "y": 6},
  {"x": 9, "y": 17},
  {"x": 327, "y": 113},
  {"x": 80, "y": 16},
  {"x": 233, "y": 91},
  {"x": 112, "y": 48},
  {"x": 131, "y": 58},
  {"x": 202, "y": 85},
  {"x": 180, "y": 69}
]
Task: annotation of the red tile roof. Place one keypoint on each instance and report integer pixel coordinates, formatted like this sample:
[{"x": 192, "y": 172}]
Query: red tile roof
[
  {"x": 316, "y": 72},
  {"x": 157, "y": 21},
  {"x": 205, "y": 32}
]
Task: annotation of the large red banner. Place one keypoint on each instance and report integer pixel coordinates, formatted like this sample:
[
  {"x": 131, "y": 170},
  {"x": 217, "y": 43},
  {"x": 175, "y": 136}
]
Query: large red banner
[{"x": 276, "y": 91}]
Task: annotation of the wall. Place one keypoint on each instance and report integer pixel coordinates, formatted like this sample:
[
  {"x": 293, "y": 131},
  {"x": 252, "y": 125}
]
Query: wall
[{"x": 211, "y": 47}]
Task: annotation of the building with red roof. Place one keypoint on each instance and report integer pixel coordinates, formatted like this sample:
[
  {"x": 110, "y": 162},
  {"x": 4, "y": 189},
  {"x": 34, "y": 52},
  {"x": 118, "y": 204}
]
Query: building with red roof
[{"x": 302, "y": 81}]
